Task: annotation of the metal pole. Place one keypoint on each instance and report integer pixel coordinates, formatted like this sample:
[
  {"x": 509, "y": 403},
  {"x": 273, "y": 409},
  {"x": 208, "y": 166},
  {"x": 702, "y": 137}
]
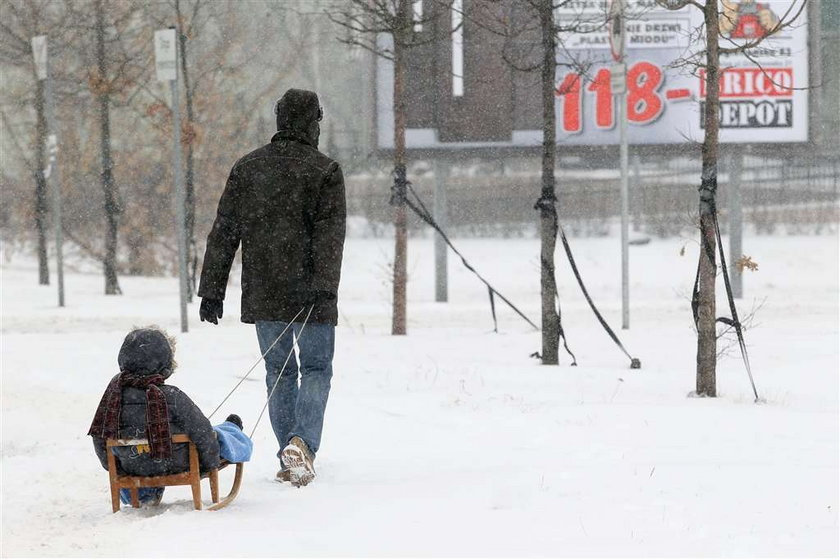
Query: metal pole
[
  {"x": 441, "y": 174},
  {"x": 180, "y": 214},
  {"x": 618, "y": 86},
  {"x": 54, "y": 176},
  {"x": 625, "y": 209},
  {"x": 736, "y": 221},
  {"x": 637, "y": 187}
]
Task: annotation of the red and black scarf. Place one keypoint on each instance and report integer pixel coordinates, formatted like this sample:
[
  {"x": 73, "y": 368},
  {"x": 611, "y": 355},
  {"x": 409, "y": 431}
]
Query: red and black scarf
[{"x": 106, "y": 422}]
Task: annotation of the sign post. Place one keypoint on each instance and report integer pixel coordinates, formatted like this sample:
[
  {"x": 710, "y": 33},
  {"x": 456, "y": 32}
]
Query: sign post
[
  {"x": 618, "y": 83},
  {"x": 40, "y": 52},
  {"x": 166, "y": 66},
  {"x": 736, "y": 221},
  {"x": 441, "y": 250}
]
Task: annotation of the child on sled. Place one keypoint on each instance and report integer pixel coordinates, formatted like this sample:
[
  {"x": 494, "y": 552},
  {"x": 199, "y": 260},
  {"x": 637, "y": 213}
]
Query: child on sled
[{"x": 138, "y": 404}]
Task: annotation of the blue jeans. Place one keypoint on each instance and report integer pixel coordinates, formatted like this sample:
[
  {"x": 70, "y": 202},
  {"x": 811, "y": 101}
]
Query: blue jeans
[{"x": 297, "y": 410}]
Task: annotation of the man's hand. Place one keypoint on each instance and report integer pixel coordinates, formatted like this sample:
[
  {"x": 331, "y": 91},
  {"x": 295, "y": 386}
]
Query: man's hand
[{"x": 211, "y": 310}]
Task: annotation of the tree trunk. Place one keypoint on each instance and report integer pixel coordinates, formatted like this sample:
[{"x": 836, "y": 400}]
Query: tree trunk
[
  {"x": 398, "y": 322},
  {"x": 112, "y": 206},
  {"x": 189, "y": 177},
  {"x": 707, "y": 267},
  {"x": 547, "y": 201},
  {"x": 41, "y": 207}
]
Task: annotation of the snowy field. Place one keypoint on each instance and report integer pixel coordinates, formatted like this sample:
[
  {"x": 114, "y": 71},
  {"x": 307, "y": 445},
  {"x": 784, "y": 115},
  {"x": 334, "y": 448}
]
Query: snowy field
[{"x": 452, "y": 440}]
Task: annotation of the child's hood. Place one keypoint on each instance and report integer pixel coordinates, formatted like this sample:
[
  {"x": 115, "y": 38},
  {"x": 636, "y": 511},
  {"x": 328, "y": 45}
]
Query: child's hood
[{"x": 147, "y": 351}]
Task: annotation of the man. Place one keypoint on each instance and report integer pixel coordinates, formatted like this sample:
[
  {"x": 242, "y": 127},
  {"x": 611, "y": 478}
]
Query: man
[{"x": 285, "y": 203}]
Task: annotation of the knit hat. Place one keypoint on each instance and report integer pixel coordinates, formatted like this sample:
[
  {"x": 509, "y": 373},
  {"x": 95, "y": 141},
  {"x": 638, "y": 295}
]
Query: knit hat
[
  {"x": 147, "y": 351},
  {"x": 297, "y": 110}
]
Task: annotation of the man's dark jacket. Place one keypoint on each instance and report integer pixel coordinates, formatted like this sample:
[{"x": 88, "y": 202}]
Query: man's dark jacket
[{"x": 285, "y": 203}]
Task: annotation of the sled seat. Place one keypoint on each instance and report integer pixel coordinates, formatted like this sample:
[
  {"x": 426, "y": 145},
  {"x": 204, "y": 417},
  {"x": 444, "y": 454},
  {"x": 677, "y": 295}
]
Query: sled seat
[{"x": 191, "y": 477}]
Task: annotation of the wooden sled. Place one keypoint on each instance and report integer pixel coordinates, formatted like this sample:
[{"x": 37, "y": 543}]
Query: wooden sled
[{"x": 191, "y": 477}]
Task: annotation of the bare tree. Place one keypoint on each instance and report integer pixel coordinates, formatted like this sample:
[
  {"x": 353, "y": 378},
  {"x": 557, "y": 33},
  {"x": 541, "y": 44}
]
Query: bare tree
[
  {"x": 363, "y": 21},
  {"x": 109, "y": 189},
  {"x": 547, "y": 202},
  {"x": 112, "y": 42},
  {"x": 20, "y": 21},
  {"x": 533, "y": 36},
  {"x": 707, "y": 60}
]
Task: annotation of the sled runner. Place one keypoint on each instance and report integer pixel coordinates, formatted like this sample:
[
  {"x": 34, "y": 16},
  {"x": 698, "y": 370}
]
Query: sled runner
[{"x": 191, "y": 477}]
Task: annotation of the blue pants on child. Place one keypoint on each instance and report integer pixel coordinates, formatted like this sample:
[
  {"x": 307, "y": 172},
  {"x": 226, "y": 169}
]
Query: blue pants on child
[{"x": 234, "y": 446}]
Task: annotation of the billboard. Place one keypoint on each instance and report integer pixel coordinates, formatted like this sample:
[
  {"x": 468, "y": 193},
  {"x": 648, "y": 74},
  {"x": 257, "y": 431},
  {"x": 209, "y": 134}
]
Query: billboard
[{"x": 763, "y": 96}]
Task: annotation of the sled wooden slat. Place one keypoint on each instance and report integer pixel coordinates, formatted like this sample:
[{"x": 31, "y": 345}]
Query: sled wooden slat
[{"x": 191, "y": 477}]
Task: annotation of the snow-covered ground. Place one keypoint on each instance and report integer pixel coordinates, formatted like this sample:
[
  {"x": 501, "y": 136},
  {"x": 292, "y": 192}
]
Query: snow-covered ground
[{"x": 452, "y": 440}]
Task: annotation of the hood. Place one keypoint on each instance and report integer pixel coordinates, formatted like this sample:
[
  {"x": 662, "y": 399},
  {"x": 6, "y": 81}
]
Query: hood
[
  {"x": 298, "y": 113},
  {"x": 147, "y": 351}
]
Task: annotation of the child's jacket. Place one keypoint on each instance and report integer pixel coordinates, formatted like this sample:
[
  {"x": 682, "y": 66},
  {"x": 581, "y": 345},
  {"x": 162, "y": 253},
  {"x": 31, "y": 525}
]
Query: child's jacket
[
  {"x": 184, "y": 417},
  {"x": 147, "y": 357}
]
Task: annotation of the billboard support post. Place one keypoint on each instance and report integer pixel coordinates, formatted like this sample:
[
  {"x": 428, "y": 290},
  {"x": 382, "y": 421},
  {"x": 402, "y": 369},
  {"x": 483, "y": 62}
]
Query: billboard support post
[
  {"x": 441, "y": 176},
  {"x": 736, "y": 221},
  {"x": 618, "y": 82},
  {"x": 625, "y": 210}
]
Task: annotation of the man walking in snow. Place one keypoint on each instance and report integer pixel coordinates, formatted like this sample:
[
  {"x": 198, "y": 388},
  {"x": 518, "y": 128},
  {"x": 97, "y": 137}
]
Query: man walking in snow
[{"x": 285, "y": 204}]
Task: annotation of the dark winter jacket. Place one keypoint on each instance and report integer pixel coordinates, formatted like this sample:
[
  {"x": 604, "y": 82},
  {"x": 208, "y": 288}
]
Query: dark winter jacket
[
  {"x": 285, "y": 204},
  {"x": 147, "y": 351},
  {"x": 184, "y": 417}
]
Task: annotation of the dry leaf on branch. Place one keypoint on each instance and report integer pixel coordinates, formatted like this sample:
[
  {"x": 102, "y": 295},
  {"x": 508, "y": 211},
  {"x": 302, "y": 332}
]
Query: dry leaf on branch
[{"x": 746, "y": 262}]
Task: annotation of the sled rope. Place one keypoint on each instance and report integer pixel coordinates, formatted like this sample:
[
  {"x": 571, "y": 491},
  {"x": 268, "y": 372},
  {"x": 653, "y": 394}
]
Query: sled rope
[
  {"x": 423, "y": 213},
  {"x": 254, "y": 366},
  {"x": 289, "y": 356}
]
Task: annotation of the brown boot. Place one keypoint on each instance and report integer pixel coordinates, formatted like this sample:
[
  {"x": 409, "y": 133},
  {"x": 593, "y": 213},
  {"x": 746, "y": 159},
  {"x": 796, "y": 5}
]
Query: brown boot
[
  {"x": 298, "y": 460},
  {"x": 283, "y": 476}
]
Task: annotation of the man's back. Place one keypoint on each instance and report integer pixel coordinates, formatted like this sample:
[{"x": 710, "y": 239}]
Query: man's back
[
  {"x": 280, "y": 181},
  {"x": 285, "y": 203}
]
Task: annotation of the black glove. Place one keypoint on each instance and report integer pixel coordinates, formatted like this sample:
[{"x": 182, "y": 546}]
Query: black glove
[{"x": 211, "y": 310}]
